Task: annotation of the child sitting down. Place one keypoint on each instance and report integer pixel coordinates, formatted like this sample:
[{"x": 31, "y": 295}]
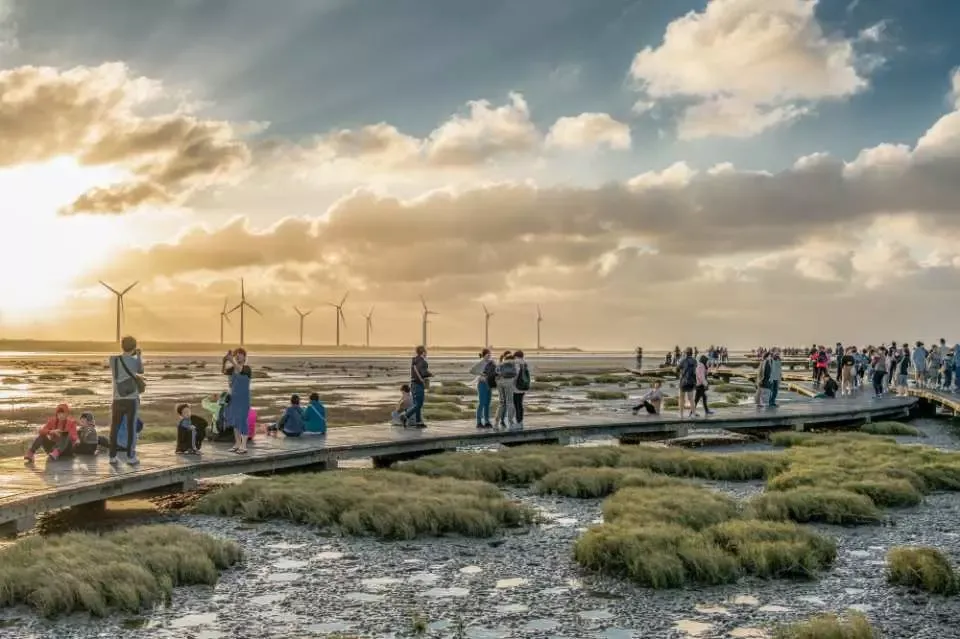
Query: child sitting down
[{"x": 186, "y": 432}]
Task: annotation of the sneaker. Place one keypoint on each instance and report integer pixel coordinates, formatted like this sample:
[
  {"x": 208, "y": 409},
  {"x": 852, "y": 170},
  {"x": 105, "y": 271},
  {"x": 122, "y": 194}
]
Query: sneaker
[
  {"x": 54, "y": 455},
  {"x": 114, "y": 461},
  {"x": 28, "y": 456},
  {"x": 710, "y": 412},
  {"x": 133, "y": 461},
  {"x": 479, "y": 425},
  {"x": 420, "y": 425},
  {"x": 488, "y": 425}
]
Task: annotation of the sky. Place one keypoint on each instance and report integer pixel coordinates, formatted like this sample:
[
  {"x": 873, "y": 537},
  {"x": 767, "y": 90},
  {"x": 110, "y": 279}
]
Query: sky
[{"x": 647, "y": 172}]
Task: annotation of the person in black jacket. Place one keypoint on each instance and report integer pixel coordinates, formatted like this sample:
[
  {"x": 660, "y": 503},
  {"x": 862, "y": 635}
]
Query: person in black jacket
[{"x": 687, "y": 373}]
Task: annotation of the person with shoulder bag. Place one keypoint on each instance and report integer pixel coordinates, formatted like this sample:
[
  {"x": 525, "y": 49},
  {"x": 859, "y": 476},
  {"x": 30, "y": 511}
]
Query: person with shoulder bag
[{"x": 126, "y": 370}]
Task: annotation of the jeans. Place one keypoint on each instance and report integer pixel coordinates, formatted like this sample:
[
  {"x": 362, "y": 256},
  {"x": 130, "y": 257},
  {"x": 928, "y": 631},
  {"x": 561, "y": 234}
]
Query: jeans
[
  {"x": 774, "y": 389},
  {"x": 416, "y": 411},
  {"x": 701, "y": 395},
  {"x": 60, "y": 443},
  {"x": 124, "y": 408},
  {"x": 518, "y": 406},
  {"x": 878, "y": 382},
  {"x": 507, "y": 411},
  {"x": 484, "y": 396}
]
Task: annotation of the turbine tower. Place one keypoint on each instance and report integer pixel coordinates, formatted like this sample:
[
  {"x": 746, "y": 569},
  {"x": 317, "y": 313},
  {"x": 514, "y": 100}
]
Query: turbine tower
[
  {"x": 224, "y": 317},
  {"x": 369, "y": 318},
  {"x": 539, "y": 322},
  {"x": 486, "y": 326},
  {"x": 302, "y": 317},
  {"x": 120, "y": 307},
  {"x": 426, "y": 319},
  {"x": 338, "y": 314},
  {"x": 242, "y": 306}
]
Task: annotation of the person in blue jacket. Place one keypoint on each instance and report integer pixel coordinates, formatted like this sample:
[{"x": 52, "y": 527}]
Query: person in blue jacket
[{"x": 315, "y": 416}]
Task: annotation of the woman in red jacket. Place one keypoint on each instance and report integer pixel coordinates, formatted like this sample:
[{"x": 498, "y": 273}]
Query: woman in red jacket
[{"x": 58, "y": 436}]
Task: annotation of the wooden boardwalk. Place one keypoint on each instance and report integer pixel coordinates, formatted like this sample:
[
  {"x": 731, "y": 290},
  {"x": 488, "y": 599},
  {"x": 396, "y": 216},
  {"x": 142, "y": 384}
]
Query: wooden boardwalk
[{"x": 26, "y": 491}]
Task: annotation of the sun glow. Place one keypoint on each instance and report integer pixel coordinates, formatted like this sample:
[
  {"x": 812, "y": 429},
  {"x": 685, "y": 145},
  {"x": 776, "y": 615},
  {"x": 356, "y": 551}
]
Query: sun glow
[{"x": 42, "y": 252}]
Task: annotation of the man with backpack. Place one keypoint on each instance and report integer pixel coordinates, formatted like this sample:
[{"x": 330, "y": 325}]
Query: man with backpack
[
  {"x": 127, "y": 372},
  {"x": 486, "y": 371}
]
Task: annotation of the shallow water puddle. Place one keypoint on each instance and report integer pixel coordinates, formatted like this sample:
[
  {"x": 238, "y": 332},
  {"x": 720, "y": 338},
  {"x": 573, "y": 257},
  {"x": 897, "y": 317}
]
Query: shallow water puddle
[
  {"x": 443, "y": 624},
  {"x": 558, "y": 590},
  {"x": 487, "y": 633},
  {"x": 379, "y": 583},
  {"x": 329, "y": 555},
  {"x": 693, "y": 628},
  {"x": 267, "y": 599},
  {"x": 194, "y": 620},
  {"x": 746, "y": 632},
  {"x": 471, "y": 570},
  {"x": 618, "y": 633},
  {"x": 289, "y": 564},
  {"x": 364, "y": 597},
  {"x": 596, "y": 615},
  {"x": 773, "y": 608},
  {"x": 329, "y": 627},
  {"x": 711, "y": 610},
  {"x": 745, "y": 600},
  {"x": 513, "y": 582},
  {"x": 283, "y": 577},
  {"x": 816, "y": 601},
  {"x": 540, "y": 625},
  {"x": 440, "y": 593},
  {"x": 513, "y": 608},
  {"x": 283, "y": 545},
  {"x": 423, "y": 578}
]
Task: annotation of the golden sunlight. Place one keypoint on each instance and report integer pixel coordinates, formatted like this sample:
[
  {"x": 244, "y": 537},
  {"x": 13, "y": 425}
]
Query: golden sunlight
[{"x": 42, "y": 251}]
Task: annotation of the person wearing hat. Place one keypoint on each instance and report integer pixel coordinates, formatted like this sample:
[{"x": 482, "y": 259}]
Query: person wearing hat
[
  {"x": 89, "y": 441},
  {"x": 58, "y": 436}
]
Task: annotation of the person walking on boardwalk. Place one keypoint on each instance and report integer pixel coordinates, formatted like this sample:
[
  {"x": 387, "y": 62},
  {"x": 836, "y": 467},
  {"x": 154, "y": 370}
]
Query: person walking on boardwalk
[
  {"x": 237, "y": 412},
  {"x": 776, "y": 375},
  {"x": 506, "y": 384},
  {"x": 126, "y": 370},
  {"x": 687, "y": 374},
  {"x": 920, "y": 365},
  {"x": 879, "y": 363},
  {"x": 701, "y": 388},
  {"x": 763, "y": 381},
  {"x": 520, "y": 387},
  {"x": 847, "y": 361},
  {"x": 486, "y": 372},
  {"x": 419, "y": 380}
]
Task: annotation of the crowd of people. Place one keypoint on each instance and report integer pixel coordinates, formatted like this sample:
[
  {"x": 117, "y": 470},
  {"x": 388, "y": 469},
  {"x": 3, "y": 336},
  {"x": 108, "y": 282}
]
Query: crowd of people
[{"x": 716, "y": 356}]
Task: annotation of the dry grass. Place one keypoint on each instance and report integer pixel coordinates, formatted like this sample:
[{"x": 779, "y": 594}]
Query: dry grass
[
  {"x": 385, "y": 504},
  {"x": 774, "y": 549},
  {"x": 821, "y": 505},
  {"x": 601, "y": 395},
  {"x": 891, "y": 428},
  {"x": 127, "y": 570},
  {"x": 591, "y": 483},
  {"x": 922, "y": 568},
  {"x": 854, "y": 626},
  {"x": 689, "y": 506}
]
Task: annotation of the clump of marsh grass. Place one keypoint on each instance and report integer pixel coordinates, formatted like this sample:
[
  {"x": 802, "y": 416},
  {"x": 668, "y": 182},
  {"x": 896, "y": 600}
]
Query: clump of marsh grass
[
  {"x": 127, "y": 570},
  {"x": 891, "y": 428},
  {"x": 684, "y": 463},
  {"x": 587, "y": 483},
  {"x": 689, "y": 506},
  {"x": 854, "y": 626},
  {"x": 78, "y": 391},
  {"x": 605, "y": 395},
  {"x": 774, "y": 549},
  {"x": 822, "y": 505},
  {"x": 385, "y": 504},
  {"x": 922, "y": 568}
]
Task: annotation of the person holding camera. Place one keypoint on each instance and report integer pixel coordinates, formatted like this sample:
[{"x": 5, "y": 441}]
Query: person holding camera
[
  {"x": 237, "y": 412},
  {"x": 126, "y": 370}
]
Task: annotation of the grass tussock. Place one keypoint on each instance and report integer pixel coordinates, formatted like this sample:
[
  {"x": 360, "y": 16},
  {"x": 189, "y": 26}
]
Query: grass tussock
[
  {"x": 78, "y": 391},
  {"x": 854, "y": 626},
  {"x": 820, "y": 505},
  {"x": 128, "y": 570},
  {"x": 891, "y": 428},
  {"x": 775, "y": 549},
  {"x": 591, "y": 483},
  {"x": 689, "y": 506},
  {"x": 922, "y": 568},
  {"x": 385, "y": 504},
  {"x": 601, "y": 395}
]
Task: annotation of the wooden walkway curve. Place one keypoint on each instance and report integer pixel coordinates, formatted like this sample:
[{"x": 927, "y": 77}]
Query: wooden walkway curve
[{"x": 26, "y": 491}]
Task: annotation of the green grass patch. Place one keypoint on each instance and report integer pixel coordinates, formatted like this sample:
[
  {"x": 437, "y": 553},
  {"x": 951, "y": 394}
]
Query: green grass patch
[
  {"x": 127, "y": 571},
  {"x": 384, "y": 504},
  {"x": 76, "y": 392},
  {"x": 922, "y": 568},
  {"x": 611, "y": 379},
  {"x": 821, "y": 505},
  {"x": 452, "y": 389},
  {"x": 775, "y": 549},
  {"x": 591, "y": 483},
  {"x": 605, "y": 395},
  {"x": 176, "y": 376},
  {"x": 891, "y": 428},
  {"x": 543, "y": 386},
  {"x": 688, "y": 506},
  {"x": 728, "y": 388},
  {"x": 578, "y": 380},
  {"x": 854, "y": 626}
]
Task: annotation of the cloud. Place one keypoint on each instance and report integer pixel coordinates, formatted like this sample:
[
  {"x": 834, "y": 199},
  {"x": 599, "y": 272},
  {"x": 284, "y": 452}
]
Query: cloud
[
  {"x": 955, "y": 88},
  {"x": 747, "y": 66},
  {"x": 93, "y": 113},
  {"x": 589, "y": 130}
]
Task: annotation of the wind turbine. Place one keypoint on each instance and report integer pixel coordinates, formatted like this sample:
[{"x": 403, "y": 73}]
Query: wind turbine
[
  {"x": 120, "y": 308},
  {"x": 302, "y": 316},
  {"x": 242, "y": 306},
  {"x": 224, "y": 317},
  {"x": 369, "y": 318},
  {"x": 338, "y": 314},
  {"x": 539, "y": 322},
  {"x": 486, "y": 326},
  {"x": 426, "y": 315}
]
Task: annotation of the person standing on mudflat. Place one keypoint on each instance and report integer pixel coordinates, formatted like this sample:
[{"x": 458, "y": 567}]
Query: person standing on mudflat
[
  {"x": 238, "y": 410},
  {"x": 126, "y": 370}
]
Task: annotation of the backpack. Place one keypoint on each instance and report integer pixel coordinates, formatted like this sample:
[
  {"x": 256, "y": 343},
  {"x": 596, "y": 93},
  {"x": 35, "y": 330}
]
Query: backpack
[
  {"x": 490, "y": 374},
  {"x": 523, "y": 378},
  {"x": 88, "y": 435},
  {"x": 508, "y": 370}
]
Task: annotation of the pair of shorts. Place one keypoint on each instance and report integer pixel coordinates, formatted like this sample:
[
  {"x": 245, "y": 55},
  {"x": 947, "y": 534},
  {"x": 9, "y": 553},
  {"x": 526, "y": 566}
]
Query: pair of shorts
[{"x": 687, "y": 389}]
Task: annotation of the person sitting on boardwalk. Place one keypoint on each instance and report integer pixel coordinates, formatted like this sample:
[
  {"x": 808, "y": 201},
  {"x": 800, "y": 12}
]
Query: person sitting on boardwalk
[
  {"x": 291, "y": 422},
  {"x": 830, "y": 387},
  {"x": 315, "y": 416},
  {"x": 89, "y": 441},
  {"x": 188, "y": 439},
  {"x": 405, "y": 404},
  {"x": 651, "y": 401},
  {"x": 57, "y": 437}
]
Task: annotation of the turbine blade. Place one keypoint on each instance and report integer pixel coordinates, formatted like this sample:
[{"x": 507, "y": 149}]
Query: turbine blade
[
  {"x": 344, "y": 300},
  {"x": 109, "y": 288},
  {"x": 299, "y": 312},
  {"x": 127, "y": 290},
  {"x": 224, "y": 305},
  {"x": 235, "y": 308},
  {"x": 308, "y": 313},
  {"x": 343, "y": 318},
  {"x": 253, "y": 308},
  {"x": 424, "y": 302},
  {"x": 243, "y": 294},
  {"x": 485, "y": 309},
  {"x": 226, "y": 316}
]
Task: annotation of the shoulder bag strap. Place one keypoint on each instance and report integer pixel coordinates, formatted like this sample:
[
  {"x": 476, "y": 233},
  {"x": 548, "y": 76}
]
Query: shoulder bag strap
[{"x": 124, "y": 364}]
